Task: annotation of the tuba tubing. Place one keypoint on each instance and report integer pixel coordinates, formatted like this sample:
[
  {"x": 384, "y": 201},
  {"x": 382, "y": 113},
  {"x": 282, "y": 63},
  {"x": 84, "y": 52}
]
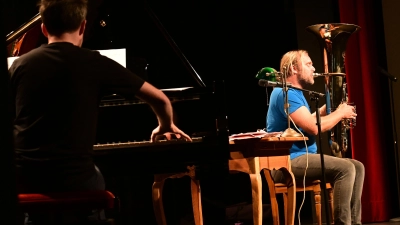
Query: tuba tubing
[{"x": 333, "y": 39}]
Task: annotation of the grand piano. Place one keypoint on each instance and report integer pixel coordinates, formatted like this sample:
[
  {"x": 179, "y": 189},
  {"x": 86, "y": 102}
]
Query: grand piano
[{"x": 122, "y": 149}]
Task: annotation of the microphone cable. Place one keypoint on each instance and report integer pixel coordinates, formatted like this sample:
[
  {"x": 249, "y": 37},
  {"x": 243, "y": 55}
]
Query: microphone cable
[
  {"x": 285, "y": 68},
  {"x": 305, "y": 170}
]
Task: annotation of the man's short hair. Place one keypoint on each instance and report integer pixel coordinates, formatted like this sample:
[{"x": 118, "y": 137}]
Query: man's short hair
[{"x": 61, "y": 16}]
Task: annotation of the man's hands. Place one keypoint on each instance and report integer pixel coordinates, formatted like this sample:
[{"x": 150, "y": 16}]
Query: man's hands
[
  {"x": 348, "y": 111},
  {"x": 162, "y": 107},
  {"x": 302, "y": 118},
  {"x": 172, "y": 129}
]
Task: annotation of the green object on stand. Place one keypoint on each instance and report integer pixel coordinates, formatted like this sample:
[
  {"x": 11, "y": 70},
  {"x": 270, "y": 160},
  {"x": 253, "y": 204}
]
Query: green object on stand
[{"x": 267, "y": 73}]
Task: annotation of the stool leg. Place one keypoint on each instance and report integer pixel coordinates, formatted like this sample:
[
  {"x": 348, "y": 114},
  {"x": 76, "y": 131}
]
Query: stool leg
[
  {"x": 158, "y": 200},
  {"x": 196, "y": 202},
  {"x": 285, "y": 207},
  {"x": 317, "y": 199},
  {"x": 272, "y": 194},
  {"x": 330, "y": 202}
]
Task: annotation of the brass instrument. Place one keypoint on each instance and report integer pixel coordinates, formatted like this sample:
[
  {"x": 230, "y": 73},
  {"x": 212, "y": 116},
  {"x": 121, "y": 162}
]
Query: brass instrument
[{"x": 333, "y": 40}]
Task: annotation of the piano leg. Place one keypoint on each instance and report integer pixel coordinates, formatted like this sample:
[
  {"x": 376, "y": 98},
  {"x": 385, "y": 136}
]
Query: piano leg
[
  {"x": 158, "y": 205},
  {"x": 196, "y": 202}
]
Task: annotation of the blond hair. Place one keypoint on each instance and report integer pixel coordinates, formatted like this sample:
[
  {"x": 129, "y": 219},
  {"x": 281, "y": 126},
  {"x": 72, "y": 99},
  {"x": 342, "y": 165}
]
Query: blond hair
[{"x": 289, "y": 59}]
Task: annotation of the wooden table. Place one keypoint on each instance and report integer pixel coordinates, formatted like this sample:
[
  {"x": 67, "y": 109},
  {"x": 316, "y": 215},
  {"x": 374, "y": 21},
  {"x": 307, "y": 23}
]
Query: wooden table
[{"x": 253, "y": 155}]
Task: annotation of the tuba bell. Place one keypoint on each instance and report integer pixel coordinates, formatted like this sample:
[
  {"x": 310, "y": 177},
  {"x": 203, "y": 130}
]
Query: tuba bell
[{"x": 333, "y": 39}]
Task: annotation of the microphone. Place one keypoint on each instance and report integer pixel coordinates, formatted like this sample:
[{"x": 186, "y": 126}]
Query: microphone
[
  {"x": 274, "y": 73},
  {"x": 267, "y": 83},
  {"x": 390, "y": 76},
  {"x": 313, "y": 93}
]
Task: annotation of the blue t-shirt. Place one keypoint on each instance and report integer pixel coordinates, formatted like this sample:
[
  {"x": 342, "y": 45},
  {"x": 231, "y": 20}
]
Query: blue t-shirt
[{"x": 277, "y": 119}]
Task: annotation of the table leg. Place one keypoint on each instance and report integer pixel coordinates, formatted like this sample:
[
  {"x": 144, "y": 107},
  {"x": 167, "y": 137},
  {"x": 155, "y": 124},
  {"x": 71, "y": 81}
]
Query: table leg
[{"x": 256, "y": 189}]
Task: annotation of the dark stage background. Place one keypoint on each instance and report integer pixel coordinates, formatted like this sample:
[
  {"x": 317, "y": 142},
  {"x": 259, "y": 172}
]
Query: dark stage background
[{"x": 222, "y": 40}]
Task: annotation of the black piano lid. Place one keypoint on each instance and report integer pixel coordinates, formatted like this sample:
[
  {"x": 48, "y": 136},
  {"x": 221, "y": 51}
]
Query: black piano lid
[{"x": 141, "y": 28}]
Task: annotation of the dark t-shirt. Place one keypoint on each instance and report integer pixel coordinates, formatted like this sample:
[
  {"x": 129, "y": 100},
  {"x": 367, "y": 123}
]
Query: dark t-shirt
[{"x": 56, "y": 89}]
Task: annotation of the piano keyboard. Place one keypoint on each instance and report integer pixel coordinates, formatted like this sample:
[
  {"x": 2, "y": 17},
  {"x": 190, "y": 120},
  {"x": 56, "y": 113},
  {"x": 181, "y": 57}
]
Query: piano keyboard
[{"x": 139, "y": 144}]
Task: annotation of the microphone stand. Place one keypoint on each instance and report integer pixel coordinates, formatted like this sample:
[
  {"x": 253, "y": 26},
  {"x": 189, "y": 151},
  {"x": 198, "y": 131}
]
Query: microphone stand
[
  {"x": 314, "y": 97},
  {"x": 392, "y": 79}
]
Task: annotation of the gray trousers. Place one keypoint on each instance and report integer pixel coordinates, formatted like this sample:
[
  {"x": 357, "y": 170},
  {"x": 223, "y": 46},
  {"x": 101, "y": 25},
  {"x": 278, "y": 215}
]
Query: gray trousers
[{"x": 346, "y": 175}]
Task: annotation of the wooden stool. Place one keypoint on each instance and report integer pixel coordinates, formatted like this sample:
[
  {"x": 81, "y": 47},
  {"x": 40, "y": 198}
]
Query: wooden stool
[
  {"x": 66, "y": 201},
  {"x": 314, "y": 186}
]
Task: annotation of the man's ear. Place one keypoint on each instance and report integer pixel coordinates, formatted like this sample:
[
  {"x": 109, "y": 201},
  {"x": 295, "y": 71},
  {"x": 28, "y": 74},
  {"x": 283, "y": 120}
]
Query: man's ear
[
  {"x": 44, "y": 30},
  {"x": 293, "y": 69},
  {"x": 82, "y": 27}
]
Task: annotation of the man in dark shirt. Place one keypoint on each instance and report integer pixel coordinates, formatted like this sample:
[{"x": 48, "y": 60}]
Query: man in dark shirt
[{"x": 56, "y": 90}]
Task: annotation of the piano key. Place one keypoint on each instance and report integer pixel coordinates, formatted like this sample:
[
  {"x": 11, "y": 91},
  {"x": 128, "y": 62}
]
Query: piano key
[{"x": 144, "y": 143}]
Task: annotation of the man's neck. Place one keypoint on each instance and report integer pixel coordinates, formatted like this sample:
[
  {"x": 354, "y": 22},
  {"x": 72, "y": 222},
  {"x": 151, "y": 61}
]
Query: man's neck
[
  {"x": 72, "y": 38},
  {"x": 294, "y": 82}
]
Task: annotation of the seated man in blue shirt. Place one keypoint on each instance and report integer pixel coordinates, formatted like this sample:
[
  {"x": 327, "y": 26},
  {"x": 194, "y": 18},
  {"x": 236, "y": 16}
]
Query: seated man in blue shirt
[{"x": 346, "y": 175}]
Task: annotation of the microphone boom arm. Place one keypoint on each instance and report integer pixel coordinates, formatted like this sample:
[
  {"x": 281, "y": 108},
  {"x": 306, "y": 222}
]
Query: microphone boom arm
[{"x": 267, "y": 83}]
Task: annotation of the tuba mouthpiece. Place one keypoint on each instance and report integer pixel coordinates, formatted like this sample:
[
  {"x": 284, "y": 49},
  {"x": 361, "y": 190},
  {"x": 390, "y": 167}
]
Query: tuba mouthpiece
[{"x": 320, "y": 74}]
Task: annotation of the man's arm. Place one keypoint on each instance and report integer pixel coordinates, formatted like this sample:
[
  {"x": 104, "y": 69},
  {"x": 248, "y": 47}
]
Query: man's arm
[
  {"x": 162, "y": 107},
  {"x": 159, "y": 102},
  {"x": 322, "y": 111},
  {"x": 307, "y": 121}
]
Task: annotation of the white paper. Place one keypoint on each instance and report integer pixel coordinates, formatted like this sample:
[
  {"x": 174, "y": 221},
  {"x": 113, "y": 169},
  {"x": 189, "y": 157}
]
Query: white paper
[
  {"x": 10, "y": 61},
  {"x": 118, "y": 55}
]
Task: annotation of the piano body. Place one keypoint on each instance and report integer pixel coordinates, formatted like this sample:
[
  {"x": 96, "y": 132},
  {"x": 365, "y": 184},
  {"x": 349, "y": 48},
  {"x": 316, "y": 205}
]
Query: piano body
[{"x": 122, "y": 150}]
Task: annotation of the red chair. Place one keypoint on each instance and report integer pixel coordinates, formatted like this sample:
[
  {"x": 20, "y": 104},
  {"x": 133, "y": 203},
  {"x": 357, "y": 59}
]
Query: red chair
[{"x": 67, "y": 201}]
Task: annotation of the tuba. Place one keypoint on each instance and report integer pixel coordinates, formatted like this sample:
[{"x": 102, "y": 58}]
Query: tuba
[{"x": 333, "y": 40}]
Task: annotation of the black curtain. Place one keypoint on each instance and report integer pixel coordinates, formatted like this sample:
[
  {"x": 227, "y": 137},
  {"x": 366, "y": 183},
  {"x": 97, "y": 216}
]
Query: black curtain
[{"x": 7, "y": 187}]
